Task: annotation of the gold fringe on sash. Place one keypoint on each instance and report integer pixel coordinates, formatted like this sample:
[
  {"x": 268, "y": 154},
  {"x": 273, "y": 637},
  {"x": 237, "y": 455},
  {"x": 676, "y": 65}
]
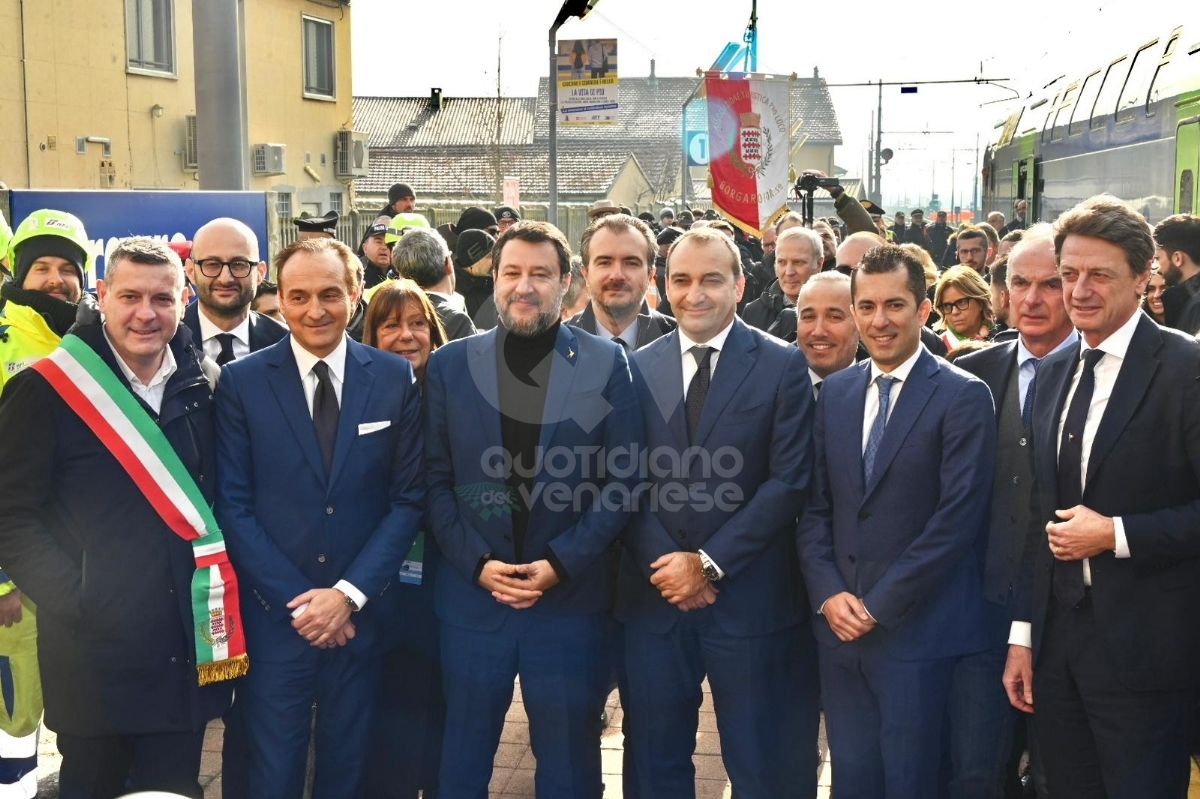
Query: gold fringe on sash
[{"x": 229, "y": 669}]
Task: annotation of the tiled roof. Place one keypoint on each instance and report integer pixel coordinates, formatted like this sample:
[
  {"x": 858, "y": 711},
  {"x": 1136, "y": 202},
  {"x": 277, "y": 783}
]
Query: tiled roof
[
  {"x": 411, "y": 122},
  {"x": 651, "y": 109},
  {"x": 468, "y": 172}
]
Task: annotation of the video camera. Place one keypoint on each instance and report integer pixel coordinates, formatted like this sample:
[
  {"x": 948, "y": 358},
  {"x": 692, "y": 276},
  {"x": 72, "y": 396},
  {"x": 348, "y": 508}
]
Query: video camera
[{"x": 810, "y": 183}]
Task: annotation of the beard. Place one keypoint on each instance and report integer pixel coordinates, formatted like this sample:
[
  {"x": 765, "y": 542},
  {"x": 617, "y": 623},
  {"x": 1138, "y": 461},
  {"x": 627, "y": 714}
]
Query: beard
[
  {"x": 622, "y": 309},
  {"x": 547, "y": 315},
  {"x": 225, "y": 306}
]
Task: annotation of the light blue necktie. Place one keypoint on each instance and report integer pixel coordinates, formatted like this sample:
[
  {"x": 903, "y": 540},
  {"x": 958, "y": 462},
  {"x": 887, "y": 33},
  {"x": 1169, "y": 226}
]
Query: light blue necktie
[
  {"x": 1027, "y": 406},
  {"x": 884, "y": 383}
]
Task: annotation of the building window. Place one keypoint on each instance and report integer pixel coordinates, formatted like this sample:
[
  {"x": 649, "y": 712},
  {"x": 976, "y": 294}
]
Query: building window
[
  {"x": 318, "y": 58},
  {"x": 283, "y": 205},
  {"x": 335, "y": 201},
  {"x": 150, "y": 33}
]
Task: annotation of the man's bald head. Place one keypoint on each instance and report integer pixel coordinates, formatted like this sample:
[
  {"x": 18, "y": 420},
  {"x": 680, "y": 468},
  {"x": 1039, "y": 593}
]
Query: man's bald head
[
  {"x": 223, "y": 232},
  {"x": 856, "y": 245}
]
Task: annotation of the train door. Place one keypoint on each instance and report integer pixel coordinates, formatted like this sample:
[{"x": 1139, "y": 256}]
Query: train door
[
  {"x": 1026, "y": 180},
  {"x": 1187, "y": 165}
]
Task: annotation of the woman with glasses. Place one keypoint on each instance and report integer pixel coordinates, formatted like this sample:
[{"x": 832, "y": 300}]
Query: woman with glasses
[
  {"x": 965, "y": 303},
  {"x": 1153, "y": 303},
  {"x": 407, "y": 745}
]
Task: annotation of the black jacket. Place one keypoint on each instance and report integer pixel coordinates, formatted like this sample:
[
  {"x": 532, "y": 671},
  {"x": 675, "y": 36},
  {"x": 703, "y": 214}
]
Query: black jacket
[
  {"x": 1181, "y": 305},
  {"x": 473, "y": 288},
  {"x": 651, "y": 324},
  {"x": 763, "y": 312},
  {"x": 264, "y": 331},
  {"x": 457, "y": 324},
  {"x": 112, "y": 582}
]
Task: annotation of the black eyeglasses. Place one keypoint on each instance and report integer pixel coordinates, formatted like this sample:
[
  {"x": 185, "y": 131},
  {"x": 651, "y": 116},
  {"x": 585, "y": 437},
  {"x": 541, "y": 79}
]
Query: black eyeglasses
[
  {"x": 961, "y": 305},
  {"x": 211, "y": 267}
]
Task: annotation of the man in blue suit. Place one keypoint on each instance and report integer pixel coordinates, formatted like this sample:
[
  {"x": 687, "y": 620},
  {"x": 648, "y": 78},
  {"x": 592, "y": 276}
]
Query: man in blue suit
[
  {"x": 320, "y": 492},
  {"x": 709, "y": 582},
  {"x": 528, "y": 427},
  {"x": 905, "y": 446}
]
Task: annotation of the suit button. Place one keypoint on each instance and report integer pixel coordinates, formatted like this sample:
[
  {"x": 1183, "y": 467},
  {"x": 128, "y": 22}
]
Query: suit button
[
  {"x": 1022, "y": 442},
  {"x": 508, "y": 538},
  {"x": 173, "y": 660},
  {"x": 680, "y": 535},
  {"x": 328, "y": 510},
  {"x": 852, "y": 559},
  {"x": 863, "y": 515},
  {"x": 1016, "y": 480},
  {"x": 320, "y": 558}
]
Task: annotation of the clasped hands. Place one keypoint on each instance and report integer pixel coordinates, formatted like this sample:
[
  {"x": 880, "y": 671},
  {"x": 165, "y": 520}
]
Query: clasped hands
[
  {"x": 680, "y": 579},
  {"x": 1081, "y": 534},
  {"x": 848, "y": 616},
  {"x": 325, "y": 623},
  {"x": 518, "y": 585}
]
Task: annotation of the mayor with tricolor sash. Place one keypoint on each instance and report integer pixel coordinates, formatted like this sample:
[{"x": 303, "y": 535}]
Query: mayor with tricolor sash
[{"x": 108, "y": 452}]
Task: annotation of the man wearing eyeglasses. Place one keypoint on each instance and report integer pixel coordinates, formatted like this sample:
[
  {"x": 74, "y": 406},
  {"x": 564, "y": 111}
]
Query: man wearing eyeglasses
[
  {"x": 973, "y": 249},
  {"x": 226, "y": 269}
]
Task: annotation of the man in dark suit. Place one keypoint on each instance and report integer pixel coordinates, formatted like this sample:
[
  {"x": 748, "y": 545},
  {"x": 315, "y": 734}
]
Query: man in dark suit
[
  {"x": 709, "y": 581},
  {"x": 423, "y": 257},
  {"x": 112, "y": 578},
  {"x": 226, "y": 269},
  {"x": 982, "y": 724},
  {"x": 618, "y": 264},
  {"x": 1106, "y": 636},
  {"x": 524, "y": 502},
  {"x": 905, "y": 445},
  {"x": 320, "y": 492}
]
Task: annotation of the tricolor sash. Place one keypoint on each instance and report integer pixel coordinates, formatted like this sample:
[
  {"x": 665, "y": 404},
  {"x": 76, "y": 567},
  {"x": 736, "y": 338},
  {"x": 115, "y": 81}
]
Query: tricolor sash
[{"x": 92, "y": 390}]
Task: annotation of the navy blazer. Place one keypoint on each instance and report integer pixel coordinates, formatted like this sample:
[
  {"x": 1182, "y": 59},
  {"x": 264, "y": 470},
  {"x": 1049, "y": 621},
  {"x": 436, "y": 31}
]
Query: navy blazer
[
  {"x": 755, "y": 431},
  {"x": 264, "y": 331},
  {"x": 651, "y": 324},
  {"x": 289, "y": 528},
  {"x": 590, "y": 420},
  {"x": 1144, "y": 466},
  {"x": 905, "y": 543}
]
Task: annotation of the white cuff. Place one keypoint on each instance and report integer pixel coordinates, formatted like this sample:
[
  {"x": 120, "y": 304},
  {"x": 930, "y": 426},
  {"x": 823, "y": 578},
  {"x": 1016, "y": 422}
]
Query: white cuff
[
  {"x": 720, "y": 571},
  {"x": 1122, "y": 547},
  {"x": 298, "y": 612},
  {"x": 1021, "y": 634},
  {"x": 349, "y": 590}
]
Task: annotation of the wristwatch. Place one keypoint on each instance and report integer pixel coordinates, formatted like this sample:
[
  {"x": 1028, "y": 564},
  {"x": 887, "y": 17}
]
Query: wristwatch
[{"x": 708, "y": 568}]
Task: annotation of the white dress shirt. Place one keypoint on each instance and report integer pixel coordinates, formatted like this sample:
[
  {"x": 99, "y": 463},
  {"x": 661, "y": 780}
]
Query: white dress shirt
[
  {"x": 336, "y": 361},
  {"x": 629, "y": 336},
  {"x": 1025, "y": 368},
  {"x": 871, "y": 410},
  {"x": 690, "y": 367},
  {"x": 209, "y": 333},
  {"x": 153, "y": 391},
  {"x": 1114, "y": 348}
]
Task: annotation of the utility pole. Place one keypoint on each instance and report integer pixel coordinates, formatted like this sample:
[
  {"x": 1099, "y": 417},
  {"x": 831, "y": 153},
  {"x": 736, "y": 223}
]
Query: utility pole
[
  {"x": 220, "y": 95},
  {"x": 976, "y": 200},
  {"x": 499, "y": 127},
  {"x": 877, "y": 193},
  {"x": 570, "y": 8}
]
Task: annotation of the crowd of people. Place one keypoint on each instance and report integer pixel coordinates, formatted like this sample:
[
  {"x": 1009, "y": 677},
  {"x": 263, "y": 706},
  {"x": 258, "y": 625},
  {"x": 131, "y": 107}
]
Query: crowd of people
[{"x": 344, "y": 509}]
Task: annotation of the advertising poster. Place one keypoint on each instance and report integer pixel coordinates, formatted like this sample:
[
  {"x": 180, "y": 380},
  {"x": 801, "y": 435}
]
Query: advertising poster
[{"x": 587, "y": 82}]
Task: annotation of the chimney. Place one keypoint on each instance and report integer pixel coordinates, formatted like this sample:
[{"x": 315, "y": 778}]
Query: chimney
[
  {"x": 653, "y": 77},
  {"x": 816, "y": 74},
  {"x": 435, "y": 100}
]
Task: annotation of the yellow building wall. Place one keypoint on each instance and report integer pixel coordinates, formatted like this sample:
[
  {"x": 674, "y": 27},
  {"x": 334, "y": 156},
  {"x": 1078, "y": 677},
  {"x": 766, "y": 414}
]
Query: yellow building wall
[
  {"x": 76, "y": 84},
  {"x": 279, "y": 111},
  {"x": 630, "y": 188}
]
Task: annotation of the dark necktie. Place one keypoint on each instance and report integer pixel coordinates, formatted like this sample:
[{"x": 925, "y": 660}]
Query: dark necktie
[
  {"x": 325, "y": 414},
  {"x": 1068, "y": 575},
  {"x": 817, "y": 388},
  {"x": 698, "y": 389},
  {"x": 622, "y": 343},
  {"x": 1027, "y": 405},
  {"x": 884, "y": 383},
  {"x": 226, "y": 353}
]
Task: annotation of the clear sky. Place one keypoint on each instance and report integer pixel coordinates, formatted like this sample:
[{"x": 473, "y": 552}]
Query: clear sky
[{"x": 405, "y": 48}]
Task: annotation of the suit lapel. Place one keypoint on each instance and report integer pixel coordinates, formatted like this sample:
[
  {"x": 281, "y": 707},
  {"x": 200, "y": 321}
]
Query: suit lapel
[
  {"x": 356, "y": 388},
  {"x": 1137, "y": 370},
  {"x": 844, "y": 422},
  {"x": 289, "y": 393},
  {"x": 663, "y": 372},
  {"x": 481, "y": 363},
  {"x": 562, "y": 378},
  {"x": 1050, "y": 397},
  {"x": 733, "y": 364},
  {"x": 914, "y": 394}
]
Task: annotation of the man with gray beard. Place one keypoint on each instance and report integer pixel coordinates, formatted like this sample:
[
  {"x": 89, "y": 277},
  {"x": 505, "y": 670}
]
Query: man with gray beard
[{"x": 527, "y": 425}]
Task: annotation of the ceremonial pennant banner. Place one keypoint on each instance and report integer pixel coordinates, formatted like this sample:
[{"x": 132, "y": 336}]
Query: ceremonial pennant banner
[{"x": 748, "y": 149}]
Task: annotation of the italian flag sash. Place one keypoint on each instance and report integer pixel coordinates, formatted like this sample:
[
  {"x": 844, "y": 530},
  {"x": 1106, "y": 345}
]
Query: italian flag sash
[{"x": 89, "y": 387}]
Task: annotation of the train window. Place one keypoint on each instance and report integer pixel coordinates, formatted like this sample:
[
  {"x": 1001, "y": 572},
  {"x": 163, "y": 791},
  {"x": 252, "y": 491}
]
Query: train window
[
  {"x": 1050, "y": 109},
  {"x": 1033, "y": 107},
  {"x": 1083, "y": 107},
  {"x": 1060, "y": 119},
  {"x": 1140, "y": 73},
  {"x": 1152, "y": 92},
  {"x": 1106, "y": 103}
]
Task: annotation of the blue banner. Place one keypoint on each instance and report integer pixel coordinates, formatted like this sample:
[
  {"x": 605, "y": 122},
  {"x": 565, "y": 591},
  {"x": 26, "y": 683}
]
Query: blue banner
[{"x": 165, "y": 215}]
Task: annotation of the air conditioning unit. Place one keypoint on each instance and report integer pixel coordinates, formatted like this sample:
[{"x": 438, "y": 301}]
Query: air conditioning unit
[
  {"x": 270, "y": 159},
  {"x": 351, "y": 154},
  {"x": 191, "y": 154}
]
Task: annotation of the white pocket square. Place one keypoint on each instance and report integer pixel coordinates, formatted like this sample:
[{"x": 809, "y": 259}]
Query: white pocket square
[{"x": 371, "y": 427}]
